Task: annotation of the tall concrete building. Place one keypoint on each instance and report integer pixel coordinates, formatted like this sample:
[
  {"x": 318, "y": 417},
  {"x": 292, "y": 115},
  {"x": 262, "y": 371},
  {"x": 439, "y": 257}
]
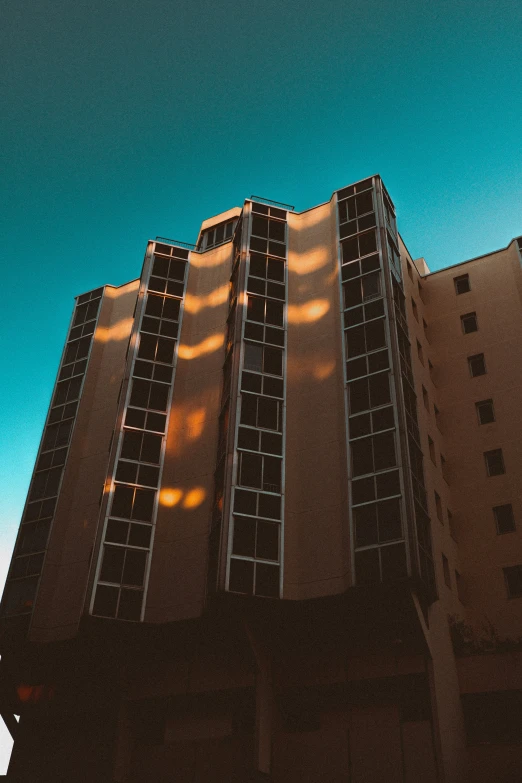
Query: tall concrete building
[{"x": 274, "y": 530}]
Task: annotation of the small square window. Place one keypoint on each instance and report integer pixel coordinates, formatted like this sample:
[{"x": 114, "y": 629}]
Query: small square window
[
  {"x": 438, "y": 506},
  {"x": 443, "y": 468},
  {"x": 469, "y": 323},
  {"x": 477, "y": 365},
  {"x": 446, "y": 570},
  {"x": 462, "y": 285},
  {"x": 485, "y": 411},
  {"x": 425, "y": 399},
  {"x": 431, "y": 446},
  {"x": 494, "y": 462},
  {"x": 504, "y": 518},
  {"x": 460, "y": 587},
  {"x": 513, "y": 577}
]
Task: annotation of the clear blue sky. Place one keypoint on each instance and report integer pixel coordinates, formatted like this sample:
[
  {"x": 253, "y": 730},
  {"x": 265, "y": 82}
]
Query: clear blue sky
[{"x": 124, "y": 119}]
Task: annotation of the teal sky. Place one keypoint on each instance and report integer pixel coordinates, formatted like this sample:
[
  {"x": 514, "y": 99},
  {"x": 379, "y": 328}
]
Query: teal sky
[{"x": 124, "y": 119}]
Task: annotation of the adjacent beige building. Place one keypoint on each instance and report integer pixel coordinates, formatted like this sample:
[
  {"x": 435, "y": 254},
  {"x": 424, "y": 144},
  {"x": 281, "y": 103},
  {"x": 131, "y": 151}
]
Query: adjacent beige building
[{"x": 273, "y": 531}]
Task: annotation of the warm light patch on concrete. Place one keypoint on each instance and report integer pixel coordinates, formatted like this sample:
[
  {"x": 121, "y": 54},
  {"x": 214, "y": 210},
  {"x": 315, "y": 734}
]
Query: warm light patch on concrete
[
  {"x": 306, "y": 264},
  {"x": 118, "y": 331},
  {"x": 193, "y": 304},
  {"x": 196, "y": 423},
  {"x": 170, "y": 497},
  {"x": 308, "y": 312},
  {"x": 194, "y": 497},
  {"x": 205, "y": 346}
]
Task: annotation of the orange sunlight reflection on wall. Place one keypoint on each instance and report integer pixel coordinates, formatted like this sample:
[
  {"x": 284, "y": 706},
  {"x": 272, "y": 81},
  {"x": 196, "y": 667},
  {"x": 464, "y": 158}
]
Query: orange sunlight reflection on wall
[
  {"x": 205, "y": 346},
  {"x": 192, "y": 498},
  {"x": 312, "y": 367},
  {"x": 196, "y": 423},
  {"x": 309, "y": 312},
  {"x": 305, "y": 264},
  {"x": 193, "y": 304},
  {"x": 170, "y": 497},
  {"x": 118, "y": 331}
]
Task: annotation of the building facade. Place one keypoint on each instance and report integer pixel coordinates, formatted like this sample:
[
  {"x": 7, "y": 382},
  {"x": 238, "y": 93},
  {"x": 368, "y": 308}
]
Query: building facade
[{"x": 274, "y": 526}]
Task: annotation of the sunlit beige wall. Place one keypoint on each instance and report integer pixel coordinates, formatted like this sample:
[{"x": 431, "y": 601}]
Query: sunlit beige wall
[
  {"x": 179, "y": 562},
  {"x": 62, "y": 590},
  {"x": 496, "y": 297},
  {"x": 317, "y": 546}
]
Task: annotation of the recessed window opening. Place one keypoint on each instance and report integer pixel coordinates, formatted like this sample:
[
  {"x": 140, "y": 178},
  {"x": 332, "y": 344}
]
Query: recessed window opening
[
  {"x": 504, "y": 518},
  {"x": 469, "y": 323},
  {"x": 513, "y": 577},
  {"x": 431, "y": 447},
  {"x": 494, "y": 462},
  {"x": 462, "y": 285},
  {"x": 477, "y": 365},
  {"x": 446, "y": 571},
  {"x": 485, "y": 411}
]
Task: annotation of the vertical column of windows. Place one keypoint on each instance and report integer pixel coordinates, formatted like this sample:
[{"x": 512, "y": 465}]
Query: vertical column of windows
[
  {"x": 422, "y": 520},
  {"x": 376, "y": 501},
  {"x": 33, "y": 535},
  {"x": 129, "y": 524},
  {"x": 257, "y": 510},
  {"x": 216, "y": 522}
]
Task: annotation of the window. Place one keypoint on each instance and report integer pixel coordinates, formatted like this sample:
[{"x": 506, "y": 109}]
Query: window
[
  {"x": 141, "y": 446},
  {"x": 436, "y": 413},
  {"x": 460, "y": 587},
  {"x": 366, "y": 338},
  {"x": 267, "y": 268},
  {"x": 420, "y": 353},
  {"x": 362, "y": 289},
  {"x": 355, "y": 206},
  {"x": 370, "y": 455},
  {"x": 263, "y": 358},
  {"x": 256, "y": 538},
  {"x": 494, "y": 462},
  {"x": 513, "y": 577},
  {"x": 451, "y": 524},
  {"x": 431, "y": 370},
  {"x": 446, "y": 571},
  {"x": 431, "y": 447},
  {"x": 462, "y": 285},
  {"x": 485, "y": 411},
  {"x": 265, "y": 311},
  {"x": 371, "y": 392},
  {"x": 438, "y": 506},
  {"x": 262, "y": 412},
  {"x": 414, "y": 308},
  {"x": 425, "y": 399},
  {"x": 377, "y": 523},
  {"x": 425, "y": 327},
  {"x": 217, "y": 234},
  {"x": 258, "y": 471},
  {"x": 469, "y": 323},
  {"x": 410, "y": 270},
  {"x": 443, "y": 468},
  {"x": 361, "y": 245},
  {"x": 149, "y": 394},
  {"x": 156, "y": 349},
  {"x": 477, "y": 365},
  {"x": 133, "y": 503},
  {"x": 504, "y": 518}
]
